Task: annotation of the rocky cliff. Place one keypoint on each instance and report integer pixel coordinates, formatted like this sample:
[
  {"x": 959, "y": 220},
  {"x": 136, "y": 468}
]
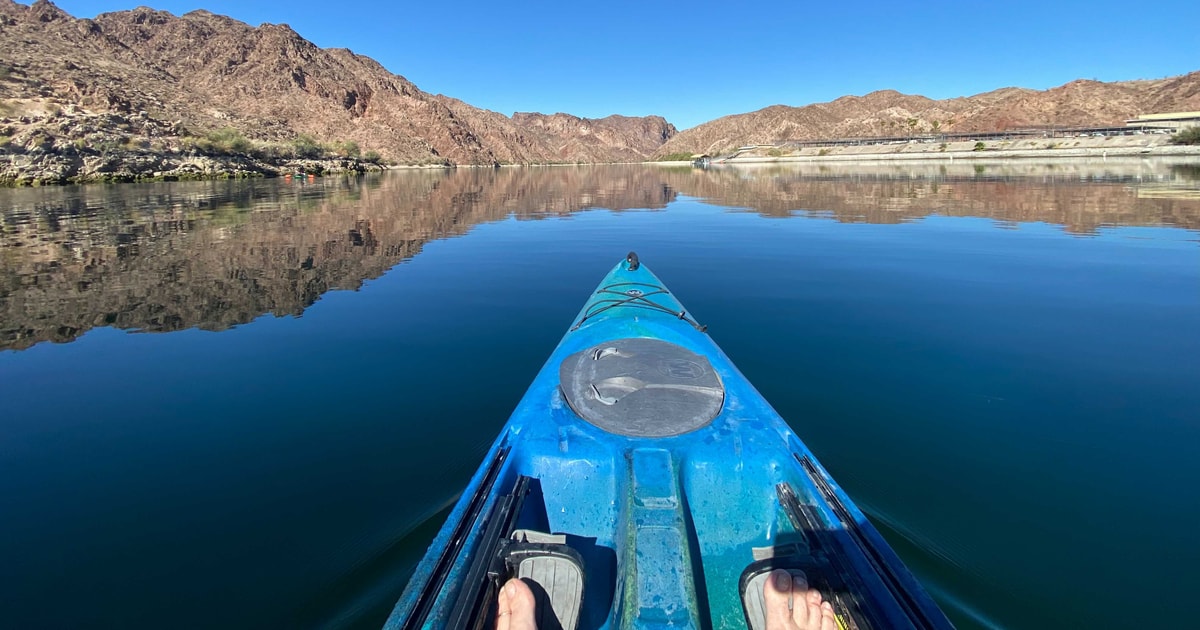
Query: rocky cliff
[
  {"x": 146, "y": 80},
  {"x": 890, "y": 113}
]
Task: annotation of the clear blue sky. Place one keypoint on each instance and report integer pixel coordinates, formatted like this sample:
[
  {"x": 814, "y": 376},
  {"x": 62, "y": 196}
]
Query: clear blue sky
[{"x": 695, "y": 61}]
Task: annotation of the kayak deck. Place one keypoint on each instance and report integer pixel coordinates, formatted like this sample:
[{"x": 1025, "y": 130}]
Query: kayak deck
[{"x": 671, "y": 478}]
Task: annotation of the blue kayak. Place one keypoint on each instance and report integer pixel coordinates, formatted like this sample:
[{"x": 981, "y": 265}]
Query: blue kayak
[{"x": 642, "y": 482}]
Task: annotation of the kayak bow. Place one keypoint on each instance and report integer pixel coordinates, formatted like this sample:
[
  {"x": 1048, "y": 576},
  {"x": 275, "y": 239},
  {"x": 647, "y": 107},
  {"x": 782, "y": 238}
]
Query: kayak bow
[{"x": 643, "y": 482}]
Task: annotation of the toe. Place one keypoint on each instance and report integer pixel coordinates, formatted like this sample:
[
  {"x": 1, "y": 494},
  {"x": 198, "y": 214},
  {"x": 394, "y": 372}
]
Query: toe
[
  {"x": 800, "y": 612},
  {"x": 516, "y": 607},
  {"x": 503, "y": 609},
  {"x": 813, "y": 622},
  {"x": 776, "y": 593},
  {"x": 828, "y": 618}
]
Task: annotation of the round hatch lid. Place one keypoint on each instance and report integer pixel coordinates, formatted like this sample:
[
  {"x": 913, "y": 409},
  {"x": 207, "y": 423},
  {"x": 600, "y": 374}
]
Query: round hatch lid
[{"x": 642, "y": 387}]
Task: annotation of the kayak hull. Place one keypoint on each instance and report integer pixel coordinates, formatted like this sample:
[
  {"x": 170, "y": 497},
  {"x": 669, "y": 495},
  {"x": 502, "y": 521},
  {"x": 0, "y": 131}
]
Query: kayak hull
[{"x": 665, "y": 523}]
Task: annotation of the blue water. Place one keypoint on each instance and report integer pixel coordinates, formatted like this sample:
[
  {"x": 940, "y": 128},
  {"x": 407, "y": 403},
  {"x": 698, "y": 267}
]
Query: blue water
[{"x": 249, "y": 404}]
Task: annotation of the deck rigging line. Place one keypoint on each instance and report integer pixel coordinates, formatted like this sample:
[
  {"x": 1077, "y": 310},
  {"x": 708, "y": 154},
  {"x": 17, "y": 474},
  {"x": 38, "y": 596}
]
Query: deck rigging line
[{"x": 634, "y": 294}]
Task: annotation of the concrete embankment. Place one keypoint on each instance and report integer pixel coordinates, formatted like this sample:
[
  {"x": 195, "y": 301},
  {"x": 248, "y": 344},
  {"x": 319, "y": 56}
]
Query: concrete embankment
[{"x": 1042, "y": 148}]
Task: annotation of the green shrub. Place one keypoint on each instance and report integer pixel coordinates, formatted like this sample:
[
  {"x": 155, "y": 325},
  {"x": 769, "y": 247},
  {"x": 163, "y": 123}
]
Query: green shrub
[
  {"x": 226, "y": 140},
  {"x": 774, "y": 152},
  {"x": 373, "y": 157},
  {"x": 348, "y": 148},
  {"x": 306, "y": 146},
  {"x": 979, "y": 146},
  {"x": 1191, "y": 135},
  {"x": 823, "y": 152}
]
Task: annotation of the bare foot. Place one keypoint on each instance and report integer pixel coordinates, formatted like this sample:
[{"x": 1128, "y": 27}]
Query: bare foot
[
  {"x": 792, "y": 605},
  {"x": 515, "y": 607}
]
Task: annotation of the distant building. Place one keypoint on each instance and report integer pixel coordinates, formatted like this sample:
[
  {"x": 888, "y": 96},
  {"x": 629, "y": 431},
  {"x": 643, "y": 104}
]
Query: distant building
[{"x": 1174, "y": 120}]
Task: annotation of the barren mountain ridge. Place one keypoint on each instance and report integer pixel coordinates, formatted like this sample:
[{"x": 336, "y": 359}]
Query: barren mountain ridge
[
  {"x": 129, "y": 87},
  {"x": 1082, "y": 103},
  {"x": 178, "y": 76}
]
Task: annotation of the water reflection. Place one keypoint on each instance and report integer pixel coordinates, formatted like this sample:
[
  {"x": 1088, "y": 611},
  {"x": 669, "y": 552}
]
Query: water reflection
[
  {"x": 170, "y": 256},
  {"x": 1080, "y": 196}
]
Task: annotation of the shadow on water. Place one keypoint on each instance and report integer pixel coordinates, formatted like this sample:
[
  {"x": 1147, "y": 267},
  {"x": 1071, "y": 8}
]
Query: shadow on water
[{"x": 364, "y": 597}]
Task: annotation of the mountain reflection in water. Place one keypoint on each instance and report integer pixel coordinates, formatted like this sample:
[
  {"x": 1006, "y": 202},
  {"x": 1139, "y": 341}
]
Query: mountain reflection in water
[{"x": 171, "y": 256}]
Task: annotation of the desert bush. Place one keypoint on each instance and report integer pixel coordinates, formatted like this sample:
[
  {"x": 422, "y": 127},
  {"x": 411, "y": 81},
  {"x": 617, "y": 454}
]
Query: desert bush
[
  {"x": 228, "y": 140},
  {"x": 306, "y": 146},
  {"x": 347, "y": 148},
  {"x": 1191, "y": 135},
  {"x": 823, "y": 152},
  {"x": 373, "y": 157},
  {"x": 979, "y": 146}
]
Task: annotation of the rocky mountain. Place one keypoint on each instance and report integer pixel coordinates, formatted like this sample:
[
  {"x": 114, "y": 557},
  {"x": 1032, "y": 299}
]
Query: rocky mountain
[
  {"x": 532, "y": 137},
  {"x": 890, "y": 113},
  {"x": 145, "y": 93},
  {"x": 166, "y": 78}
]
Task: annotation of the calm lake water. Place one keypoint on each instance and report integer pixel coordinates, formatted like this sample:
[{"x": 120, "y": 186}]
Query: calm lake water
[{"x": 250, "y": 404}]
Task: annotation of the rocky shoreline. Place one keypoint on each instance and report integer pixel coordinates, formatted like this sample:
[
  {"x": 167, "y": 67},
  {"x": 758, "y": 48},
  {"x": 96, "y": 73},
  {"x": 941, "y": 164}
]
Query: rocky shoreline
[
  {"x": 80, "y": 168},
  {"x": 65, "y": 146}
]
